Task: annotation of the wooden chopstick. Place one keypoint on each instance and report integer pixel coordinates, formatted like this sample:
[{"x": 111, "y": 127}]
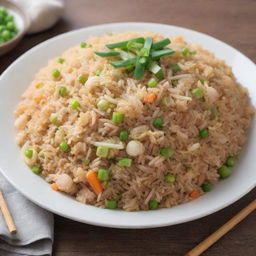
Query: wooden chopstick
[
  {"x": 7, "y": 215},
  {"x": 210, "y": 240}
]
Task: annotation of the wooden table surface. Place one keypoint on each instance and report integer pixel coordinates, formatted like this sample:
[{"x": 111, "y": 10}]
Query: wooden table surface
[{"x": 234, "y": 22}]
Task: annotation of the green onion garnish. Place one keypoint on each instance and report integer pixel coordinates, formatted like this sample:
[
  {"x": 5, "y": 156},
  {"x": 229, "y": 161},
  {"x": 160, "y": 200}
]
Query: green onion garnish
[
  {"x": 156, "y": 69},
  {"x": 107, "y": 54},
  {"x": 155, "y": 55},
  {"x": 98, "y": 72},
  {"x": 111, "y": 204},
  {"x": 197, "y": 93},
  {"x": 123, "y": 63},
  {"x": 138, "y": 55},
  {"x": 152, "y": 82},
  {"x": 117, "y": 117},
  {"x": 123, "y": 44},
  {"x": 161, "y": 44},
  {"x": 126, "y": 162},
  {"x": 103, "y": 174},
  {"x": 102, "y": 151},
  {"x": 139, "y": 69}
]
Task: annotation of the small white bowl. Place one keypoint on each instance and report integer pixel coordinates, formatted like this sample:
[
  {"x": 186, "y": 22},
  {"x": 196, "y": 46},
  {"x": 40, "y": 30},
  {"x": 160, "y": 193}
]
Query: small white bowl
[
  {"x": 22, "y": 22},
  {"x": 18, "y": 76}
]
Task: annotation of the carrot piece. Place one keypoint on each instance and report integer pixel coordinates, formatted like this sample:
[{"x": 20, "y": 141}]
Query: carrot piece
[
  {"x": 149, "y": 98},
  {"x": 195, "y": 194},
  {"x": 94, "y": 182},
  {"x": 55, "y": 187}
]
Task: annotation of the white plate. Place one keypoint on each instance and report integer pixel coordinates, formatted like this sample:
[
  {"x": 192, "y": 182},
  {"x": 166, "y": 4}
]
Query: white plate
[{"x": 17, "y": 77}]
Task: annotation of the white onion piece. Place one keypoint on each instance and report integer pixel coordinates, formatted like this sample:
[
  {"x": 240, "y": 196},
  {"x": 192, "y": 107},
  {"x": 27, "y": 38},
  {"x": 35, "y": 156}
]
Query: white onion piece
[{"x": 135, "y": 148}]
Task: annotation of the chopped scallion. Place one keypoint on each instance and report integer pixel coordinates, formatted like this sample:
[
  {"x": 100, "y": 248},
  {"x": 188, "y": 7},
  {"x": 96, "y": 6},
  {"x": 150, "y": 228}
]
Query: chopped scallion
[
  {"x": 155, "y": 55},
  {"x": 103, "y": 174},
  {"x": 123, "y": 63},
  {"x": 102, "y": 151},
  {"x": 126, "y": 162},
  {"x": 156, "y": 69},
  {"x": 111, "y": 204},
  {"x": 107, "y": 54},
  {"x": 117, "y": 117},
  {"x": 152, "y": 82},
  {"x": 103, "y": 105},
  {"x": 197, "y": 93},
  {"x": 139, "y": 69},
  {"x": 161, "y": 44},
  {"x": 123, "y": 44},
  {"x": 98, "y": 72}
]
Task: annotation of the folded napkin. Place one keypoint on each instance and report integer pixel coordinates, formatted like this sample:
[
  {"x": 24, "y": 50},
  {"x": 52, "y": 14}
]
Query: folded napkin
[
  {"x": 34, "y": 235},
  {"x": 42, "y": 14}
]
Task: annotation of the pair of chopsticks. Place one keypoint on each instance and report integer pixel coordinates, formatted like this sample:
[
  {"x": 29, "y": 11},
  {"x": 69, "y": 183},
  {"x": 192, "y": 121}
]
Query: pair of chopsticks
[
  {"x": 7, "y": 215},
  {"x": 210, "y": 240}
]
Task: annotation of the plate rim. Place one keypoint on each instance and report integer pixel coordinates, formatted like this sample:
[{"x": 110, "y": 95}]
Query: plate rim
[{"x": 130, "y": 226}]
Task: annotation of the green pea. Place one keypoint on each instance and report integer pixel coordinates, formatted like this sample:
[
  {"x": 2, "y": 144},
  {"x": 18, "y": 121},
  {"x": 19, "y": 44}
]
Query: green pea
[
  {"x": 56, "y": 73},
  {"x": 153, "y": 205},
  {"x": 224, "y": 172},
  {"x": 10, "y": 25},
  {"x": 169, "y": 178},
  {"x": 36, "y": 169},
  {"x": 204, "y": 133},
  {"x": 6, "y": 35},
  {"x": 111, "y": 204},
  {"x": 9, "y": 17},
  {"x": 231, "y": 161},
  {"x": 207, "y": 186},
  {"x": 64, "y": 146},
  {"x": 3, "y": 11}
]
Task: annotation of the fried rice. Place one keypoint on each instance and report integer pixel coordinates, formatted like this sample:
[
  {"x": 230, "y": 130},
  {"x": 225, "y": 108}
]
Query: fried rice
[{"x": 45, "y": 119}]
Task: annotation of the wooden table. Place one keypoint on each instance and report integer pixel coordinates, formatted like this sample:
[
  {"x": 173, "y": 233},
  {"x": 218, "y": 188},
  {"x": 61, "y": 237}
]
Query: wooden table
[{"x": 231, "y": 21}]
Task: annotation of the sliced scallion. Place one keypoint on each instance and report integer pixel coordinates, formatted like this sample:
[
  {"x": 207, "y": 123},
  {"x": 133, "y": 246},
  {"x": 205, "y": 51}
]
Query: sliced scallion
[
  {"x": 155, "y": 55},
  {"x": 161, "y": 44},
  {"x": 107, "y": 54},
  {"x": 123, "y": 44},
  {"x": 123, "y": 63},
  {"x": 156, "y": 69}
]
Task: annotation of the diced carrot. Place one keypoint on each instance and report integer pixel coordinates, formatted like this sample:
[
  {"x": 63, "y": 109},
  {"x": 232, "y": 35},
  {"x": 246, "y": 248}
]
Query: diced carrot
[
  {"x": 195, "y": 194},
  {"x": 149, "y": 98},
  {"x": 94, "y": 182},
  {"x": 55, "y": 187}
]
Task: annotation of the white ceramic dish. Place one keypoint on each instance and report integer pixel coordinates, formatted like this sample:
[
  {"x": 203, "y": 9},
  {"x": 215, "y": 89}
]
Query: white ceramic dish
[
  {"x": 17, "y": 77},
  {"x": 21, "y": 21}
]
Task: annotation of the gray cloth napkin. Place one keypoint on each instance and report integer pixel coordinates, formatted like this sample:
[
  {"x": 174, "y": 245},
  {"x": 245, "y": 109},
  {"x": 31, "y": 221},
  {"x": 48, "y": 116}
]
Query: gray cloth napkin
[{"x": 34, "y": 235}]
